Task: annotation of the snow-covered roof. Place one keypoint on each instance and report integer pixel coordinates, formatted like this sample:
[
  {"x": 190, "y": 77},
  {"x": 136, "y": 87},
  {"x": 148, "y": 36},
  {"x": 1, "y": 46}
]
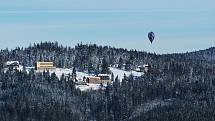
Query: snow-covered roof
[
  {"x": 30, "y": 67},
  {"x": 8, "y": 63},
  {"x": 146, "y": 65},
  {"x": 92, "y": 77},
  {"x": 103, "y": 75}
]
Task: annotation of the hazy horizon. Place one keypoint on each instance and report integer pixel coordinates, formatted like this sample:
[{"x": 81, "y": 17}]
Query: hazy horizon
[{"x": 179, "y": 26}]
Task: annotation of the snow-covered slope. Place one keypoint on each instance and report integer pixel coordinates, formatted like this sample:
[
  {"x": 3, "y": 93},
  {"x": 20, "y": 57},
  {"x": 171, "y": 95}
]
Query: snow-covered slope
[
  {"x": 19, "y": 68},
  {"x": 120, "y": 73},
  {"x": 80, "y": 75},
  {"x": 60, "y": 71},
  {"x": 88, "y": 87}
]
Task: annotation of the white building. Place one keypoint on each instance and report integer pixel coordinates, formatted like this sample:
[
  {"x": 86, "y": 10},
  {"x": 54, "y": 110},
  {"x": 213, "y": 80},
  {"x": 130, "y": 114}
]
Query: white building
[{"x": 13, "y": 65}]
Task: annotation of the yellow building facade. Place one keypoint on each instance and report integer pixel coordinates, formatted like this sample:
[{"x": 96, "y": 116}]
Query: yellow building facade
[{"x": 45, "y": 65}]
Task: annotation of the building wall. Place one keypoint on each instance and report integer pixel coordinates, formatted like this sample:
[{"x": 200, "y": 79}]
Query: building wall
[
  {"x": 45, "y": 65},
  {"x": 105, "y": 78},
  {"x": 94, "y": 80}
]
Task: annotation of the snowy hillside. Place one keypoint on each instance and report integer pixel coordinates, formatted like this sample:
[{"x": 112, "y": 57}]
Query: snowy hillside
[
  {"x": 120, "y": 73},
  {"x": 60, "y": 71},
  {"x": 89, "y": 87},
  {"x": 80, "y": 75}
]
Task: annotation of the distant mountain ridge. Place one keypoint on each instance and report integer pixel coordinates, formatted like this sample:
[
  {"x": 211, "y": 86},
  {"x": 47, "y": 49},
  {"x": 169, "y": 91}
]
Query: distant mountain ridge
[
  {"x": 201, "y": 55},
  {"x": 207, "y": 54}
]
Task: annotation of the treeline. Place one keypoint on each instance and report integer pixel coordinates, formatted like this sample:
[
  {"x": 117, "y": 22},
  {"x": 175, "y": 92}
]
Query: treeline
[
  {"x": 83, "y": 56},
  {"x": 89, "y": 57},
  {"x": 177, "y": 88}
]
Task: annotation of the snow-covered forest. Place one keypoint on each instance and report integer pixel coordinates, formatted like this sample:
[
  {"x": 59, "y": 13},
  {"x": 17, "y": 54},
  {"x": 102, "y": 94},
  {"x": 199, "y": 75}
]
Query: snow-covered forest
[{"x": 179, "y": 87}]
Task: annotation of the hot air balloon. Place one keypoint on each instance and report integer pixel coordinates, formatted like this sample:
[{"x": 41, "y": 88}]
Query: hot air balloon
[{"x": 151, "y": 36}]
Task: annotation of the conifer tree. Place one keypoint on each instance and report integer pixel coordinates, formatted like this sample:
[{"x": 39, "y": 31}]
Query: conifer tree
[{"x": 105, "y": 67}]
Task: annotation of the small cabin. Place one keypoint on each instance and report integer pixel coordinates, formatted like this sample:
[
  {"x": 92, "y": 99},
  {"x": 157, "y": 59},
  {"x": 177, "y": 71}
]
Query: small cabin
[
  {"x": 123, "y": 66},
  {"x": 140, "y": 69},
  {"x": 147, "y": 68}
]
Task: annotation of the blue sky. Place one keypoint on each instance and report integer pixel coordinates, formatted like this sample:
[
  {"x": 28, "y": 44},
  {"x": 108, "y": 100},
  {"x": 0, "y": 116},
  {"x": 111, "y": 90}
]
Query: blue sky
[{"x": 179, "y": 26}]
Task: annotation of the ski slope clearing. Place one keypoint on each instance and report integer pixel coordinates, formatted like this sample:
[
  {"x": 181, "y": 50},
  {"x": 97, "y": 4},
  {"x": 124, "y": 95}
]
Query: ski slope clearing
[
  {"x": 80, "y": 75},
  {"x": 120, "y": 73},
  {"x": 60, "y": 71}
]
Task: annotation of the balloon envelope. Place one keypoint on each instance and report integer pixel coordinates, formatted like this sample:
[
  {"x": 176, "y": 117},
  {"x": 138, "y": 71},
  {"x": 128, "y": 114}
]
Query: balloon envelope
[{"x": 151, "y": 36}]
